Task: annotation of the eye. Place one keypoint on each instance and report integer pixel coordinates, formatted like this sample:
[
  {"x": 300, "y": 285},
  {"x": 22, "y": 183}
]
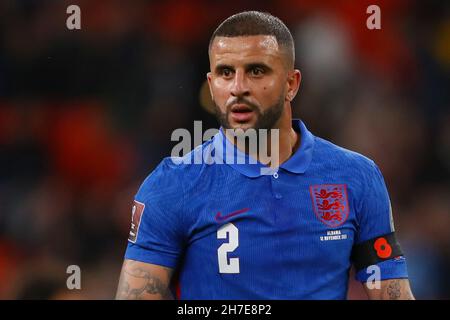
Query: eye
[
  {"x": 257, "y": 71},
  {"x": 226, "y": 72}
]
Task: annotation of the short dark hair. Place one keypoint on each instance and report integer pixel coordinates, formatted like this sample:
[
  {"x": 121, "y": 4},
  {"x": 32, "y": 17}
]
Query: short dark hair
[{"x": 253, "y": 23}]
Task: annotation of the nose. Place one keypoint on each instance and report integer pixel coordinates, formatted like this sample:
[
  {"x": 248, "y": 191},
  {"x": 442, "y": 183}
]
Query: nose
[{"x": 240, "y": 87}]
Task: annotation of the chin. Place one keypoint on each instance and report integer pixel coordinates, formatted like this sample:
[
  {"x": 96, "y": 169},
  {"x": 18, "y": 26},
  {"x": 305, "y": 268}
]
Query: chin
[{"x": 244, "y": 126}]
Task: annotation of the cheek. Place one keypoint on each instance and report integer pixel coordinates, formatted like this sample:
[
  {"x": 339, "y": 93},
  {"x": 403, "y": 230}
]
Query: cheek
[
  {"x": 270, "y": 91},
  {"x": 220, "y": 91}
]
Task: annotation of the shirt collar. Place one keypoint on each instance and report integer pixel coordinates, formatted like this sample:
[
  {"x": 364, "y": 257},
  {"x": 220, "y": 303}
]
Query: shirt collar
[
  {"x": 298, "y": 163},
  {"x": 300, "y": 160}
]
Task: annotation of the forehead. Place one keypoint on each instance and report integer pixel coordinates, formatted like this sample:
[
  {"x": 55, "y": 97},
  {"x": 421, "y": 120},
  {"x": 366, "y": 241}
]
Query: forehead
[{"x": 244, "y": 48}]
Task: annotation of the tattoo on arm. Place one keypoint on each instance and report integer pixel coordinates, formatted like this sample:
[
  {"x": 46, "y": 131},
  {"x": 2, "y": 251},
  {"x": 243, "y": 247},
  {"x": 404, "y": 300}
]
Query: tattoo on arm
[
  {"x": 394, "y": 290},
  {"x": 137, "y": 282},
  {"x": 397, "y": 289}
]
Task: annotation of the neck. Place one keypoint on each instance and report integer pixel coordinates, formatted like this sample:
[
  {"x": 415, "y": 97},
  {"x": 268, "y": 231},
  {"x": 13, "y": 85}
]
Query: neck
[
  {"x": 278, "y": 146},
  {"x": 288, "y": 140}
]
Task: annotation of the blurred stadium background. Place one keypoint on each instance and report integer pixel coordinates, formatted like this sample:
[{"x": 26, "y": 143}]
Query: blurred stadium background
[{"x": 86, "y": 115}]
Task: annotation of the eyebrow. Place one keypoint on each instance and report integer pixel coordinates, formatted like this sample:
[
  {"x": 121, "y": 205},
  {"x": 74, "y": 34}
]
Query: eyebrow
[{"x": 220, "y": 67}]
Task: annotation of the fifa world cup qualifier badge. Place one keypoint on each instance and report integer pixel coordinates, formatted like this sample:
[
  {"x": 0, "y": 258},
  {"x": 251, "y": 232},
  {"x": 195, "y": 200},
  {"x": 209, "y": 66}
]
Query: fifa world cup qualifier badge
[
  {"x": 136, "y": 215},
  {"x": 330, "y": 203}
]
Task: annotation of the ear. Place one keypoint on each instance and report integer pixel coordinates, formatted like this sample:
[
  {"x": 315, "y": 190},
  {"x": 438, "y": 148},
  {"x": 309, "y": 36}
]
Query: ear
[
  {"x": 293, "y": 84},
  {"x": 208, "y": 76}
]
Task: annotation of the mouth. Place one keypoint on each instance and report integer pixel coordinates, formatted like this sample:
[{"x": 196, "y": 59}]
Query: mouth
[
  {"x": 240, "y": 108},
  {"x": 241, "y": 113}
]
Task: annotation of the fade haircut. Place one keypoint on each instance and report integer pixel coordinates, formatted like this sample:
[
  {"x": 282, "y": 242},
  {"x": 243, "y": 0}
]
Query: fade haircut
[{"x": 255, "y": 23}]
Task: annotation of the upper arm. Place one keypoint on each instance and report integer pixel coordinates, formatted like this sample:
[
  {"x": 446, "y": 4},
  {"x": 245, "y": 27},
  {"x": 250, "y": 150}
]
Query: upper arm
[
  {"x": 392, "y": 289},
  {"x": 375, "y": 241},
  {"x": 140, "y": 280},
  {"x": 157, "y": 233}
]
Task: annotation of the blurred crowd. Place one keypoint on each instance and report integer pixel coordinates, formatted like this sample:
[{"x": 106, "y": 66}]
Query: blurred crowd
[{"x": 85, "y": 116}]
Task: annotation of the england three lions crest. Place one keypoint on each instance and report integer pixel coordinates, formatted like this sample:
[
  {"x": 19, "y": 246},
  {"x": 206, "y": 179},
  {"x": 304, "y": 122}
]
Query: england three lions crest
[{"x": 330, "y": 203}]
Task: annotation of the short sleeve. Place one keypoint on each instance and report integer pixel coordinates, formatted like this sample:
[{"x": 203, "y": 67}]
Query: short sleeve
[
  {"x": 157, "y": 234},
  {"x": 374, "y": 215}
]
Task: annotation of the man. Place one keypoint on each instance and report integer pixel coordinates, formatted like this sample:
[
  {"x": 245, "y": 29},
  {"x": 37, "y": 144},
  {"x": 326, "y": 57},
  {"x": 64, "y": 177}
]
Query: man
[{"x": 230, "y": 232}]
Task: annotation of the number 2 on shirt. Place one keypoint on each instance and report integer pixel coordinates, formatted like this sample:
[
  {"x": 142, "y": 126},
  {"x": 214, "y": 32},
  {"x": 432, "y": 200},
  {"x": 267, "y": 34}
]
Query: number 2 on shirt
[{"x": 231, "y": 232}]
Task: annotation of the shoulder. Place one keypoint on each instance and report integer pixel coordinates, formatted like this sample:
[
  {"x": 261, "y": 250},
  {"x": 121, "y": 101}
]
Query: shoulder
[
  {"x": 331, "y": 155},
  {"x": 175, "y": 174}
]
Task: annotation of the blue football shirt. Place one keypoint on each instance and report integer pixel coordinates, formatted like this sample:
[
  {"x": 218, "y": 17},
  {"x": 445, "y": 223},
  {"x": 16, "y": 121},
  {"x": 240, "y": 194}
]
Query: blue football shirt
[{"x": 233, "y": 233}]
